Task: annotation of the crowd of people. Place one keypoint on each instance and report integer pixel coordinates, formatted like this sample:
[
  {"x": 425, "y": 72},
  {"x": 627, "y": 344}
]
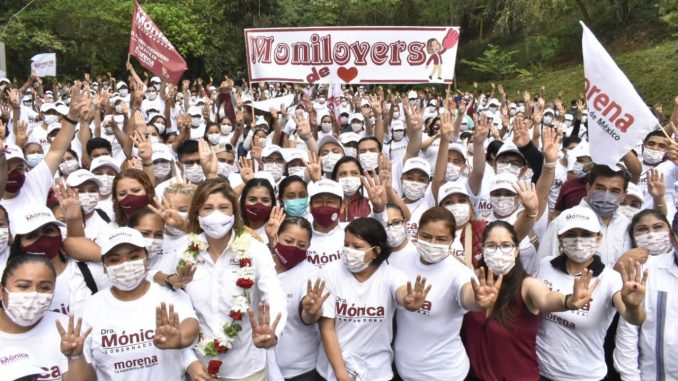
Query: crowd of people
[{"x": 151, "y": 231}]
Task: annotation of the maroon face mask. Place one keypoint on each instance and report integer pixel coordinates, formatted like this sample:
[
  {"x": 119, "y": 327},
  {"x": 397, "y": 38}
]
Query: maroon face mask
[
  {"x": 325, "y": 216},
  {"x": 48, "y": 246},
  {"x": 131, "y": 203},
  {"x": 15, "y": 180},
  {"x": 257, "y": 213},
  {"x": 289, "y": 256}
]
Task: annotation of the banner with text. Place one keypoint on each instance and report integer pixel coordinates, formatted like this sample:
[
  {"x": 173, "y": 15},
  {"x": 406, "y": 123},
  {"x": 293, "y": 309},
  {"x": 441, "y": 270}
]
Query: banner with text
[
  {"x": 153, "y": 50},
  {"x": 352, "y": 54},
  {"x": 44, "y": 64},
  {"x": 617, "y": 116}
]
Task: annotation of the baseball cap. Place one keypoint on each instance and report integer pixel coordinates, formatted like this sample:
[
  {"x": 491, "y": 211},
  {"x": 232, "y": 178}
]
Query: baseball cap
[
  {"x": 358, "y": 116},
  {"x": 17, "y": 362},
  {"x": 155, "y": 79},
  {"x": 452, "y": 187},
  {"x": 121, "y": 236},
  {"x": 365, "y": 102},
  {"x": 569, "y": 117},
  {"x": 120, "y": 84},
  {"x": 80, "y": 176},
  {"x": 433, "y": 102},
  {"x": 579, "y": 217},
  {"x": 270, "y": 150},
  {"x": 13, "y": 151},
  {"x": 161, "y": 152},
  {"x": 412, "y": 95},
  {"x": 549, "y": 111},
  {"x": 504, "y": 181},
  {"x": 325, "y": 186},
  {"x": 417, "y": 163},
  {"x": 328, "y": 139},
  {"x": 458, "y": 147},
  {"x": 397, "y": 125},
  {"x": 349, "y": 137},
  {"x": 47, "y": 107},
  {"x": 493, "y": 102},
  {"x": 62, "y": 109},
  {"x": 580, "y": 150},
  {"x": 31, "y": 218},
  {"x": 261, "y": 121},
  {"x": 290, "y": 154},
  {"x": 633, "y": 190},
  {"x": 194, "y": 111},
  {"x": 105, "y": 161},
  {"x": 509, "y": 147},
  {"x": 52, "y": 127}
]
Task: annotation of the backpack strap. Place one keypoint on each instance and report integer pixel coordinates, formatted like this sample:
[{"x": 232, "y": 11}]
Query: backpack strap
[
  {"x": 103, "y": 215},
  {"x": 89, "y": 279},
  {"x": 468, "y": 245}
]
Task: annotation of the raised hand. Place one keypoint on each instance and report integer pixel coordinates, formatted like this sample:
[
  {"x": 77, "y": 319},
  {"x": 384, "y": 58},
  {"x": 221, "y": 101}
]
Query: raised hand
[
  {"x": 245, "y": 169},
  {"x": 376, "y": 191},
  {"x": 656, "y": 185},
  {"x": 446, "y": 125},
  {"x": 273, "y": 224},
  {"x": 385, "y": 172},
  {"x": 14, "y": 97},
  {"x": 20, "y": 132},
  {"x": 144, "y": 147},
  {"x": 167, "y": 331},
  {"x": 416, "y": 296},
  {"x": 633, "y": 291},
  {"x": 301, "y": 118},
  {"x": 582, "y": 291},
  {"x": 313, "y": 167},
  {"x": 69, "y": 201},
  {"x": 314, "y": 299},
  {"x": 550, "y": 140},
  {"x": 72, "y": 341},
  {"x": 263, "y": 332},
  {"x": 521, "y": 136},
  {"x": 481, "y": 130},
  {"x": 139, "y": 121},
  {"x": 528, "y": 195},
  {"x": 168, "y": 213},
  {"x": 208, "y": 159},
  {"x": 487, "y": 291},
  {"x": 256, "y": 150}
]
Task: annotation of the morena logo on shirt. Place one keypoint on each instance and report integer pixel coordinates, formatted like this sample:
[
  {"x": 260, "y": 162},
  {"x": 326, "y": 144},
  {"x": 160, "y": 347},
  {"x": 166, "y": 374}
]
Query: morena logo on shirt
[
  {"x": 425, "y": 308},
  {"x": 368, "y": 314},
  {"x": 138, "y": 363}
]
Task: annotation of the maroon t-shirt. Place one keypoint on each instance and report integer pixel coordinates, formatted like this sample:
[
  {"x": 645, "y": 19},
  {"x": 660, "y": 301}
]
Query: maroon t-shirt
[{"x": 571, "y": 193}]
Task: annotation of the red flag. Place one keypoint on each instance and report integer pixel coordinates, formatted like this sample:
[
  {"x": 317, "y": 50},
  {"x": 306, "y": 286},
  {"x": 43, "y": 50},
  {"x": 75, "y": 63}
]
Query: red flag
[{"x": 153, "y": 50}]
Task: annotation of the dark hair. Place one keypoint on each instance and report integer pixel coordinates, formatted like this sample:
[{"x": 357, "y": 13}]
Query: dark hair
[
  {"x": 287, "y": 181},
  {"x": 16, "y": 252},
  {"x": 654, "y": 133},
  {"x": 207, "y": 127},
  {"x": 493, "y": 149},
  {"x": 605, "y": 171},
  {"x": 465, "y": 135},
  {"x": 253, "y": 183},
  {"x": 645, "y": 212},
  {"x": 141, "y": 177},
  {"x": 75, "y": 154},
  {"x": 345, "y": 159},
  {"x": 439, "y": 213},
  {"x": 505, "y": 308},
  {"x": 571, "y": 139},
  {"x": 15, "y": 262},
  {"x": 372, "y": 231},
  {"x": 135, "y": 218},
  {"x": 299, "y": 221},
  {"x": 372, "y": 138},
  {"x": 391, "y": 205},
  {"x": 96, "y": 143},
  {"x": 187, "y": 147}
]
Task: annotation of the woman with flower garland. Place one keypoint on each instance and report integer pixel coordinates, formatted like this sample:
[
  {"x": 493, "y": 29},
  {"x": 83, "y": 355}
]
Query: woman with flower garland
[{"x": 234, "y": 273}]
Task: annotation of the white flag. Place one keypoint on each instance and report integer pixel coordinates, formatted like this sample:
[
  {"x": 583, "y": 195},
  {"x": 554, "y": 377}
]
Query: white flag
[
  {"x": 266, "y": 105},
  {"x": 617, "y": 116},
  {"x": 44, "y": 64},
  {"x": 334, "y": 99}
]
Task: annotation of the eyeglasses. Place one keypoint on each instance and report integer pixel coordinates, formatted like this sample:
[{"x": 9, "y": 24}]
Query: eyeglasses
[
  {"x": 504, "y": 247},
  {"x": 395, "y": 224}
]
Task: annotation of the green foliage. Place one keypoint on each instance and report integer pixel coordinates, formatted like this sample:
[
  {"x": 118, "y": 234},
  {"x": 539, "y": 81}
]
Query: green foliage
[
  {"x": 545, "y": 47},
  {"x": 495, "y": 62},
  {"x": 668, "y": 10}
]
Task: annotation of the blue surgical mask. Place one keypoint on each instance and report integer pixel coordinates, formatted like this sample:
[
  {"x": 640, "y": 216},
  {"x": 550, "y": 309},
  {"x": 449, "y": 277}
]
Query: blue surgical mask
[
  {"x": 296, "y": 207},
  {"x": 604, "y": 203},
  {"x": 34, "y": 159}
]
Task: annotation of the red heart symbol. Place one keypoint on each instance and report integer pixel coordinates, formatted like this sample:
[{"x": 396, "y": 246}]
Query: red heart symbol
[{"x": 347, "y": 75}]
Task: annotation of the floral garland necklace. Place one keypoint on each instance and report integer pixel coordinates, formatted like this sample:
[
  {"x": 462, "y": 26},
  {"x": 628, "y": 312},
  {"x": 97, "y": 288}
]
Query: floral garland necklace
[{"x": 240, "y": 303}]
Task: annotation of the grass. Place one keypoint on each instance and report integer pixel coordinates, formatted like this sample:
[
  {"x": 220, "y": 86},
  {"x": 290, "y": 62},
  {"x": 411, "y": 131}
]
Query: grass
[{"x": 653, "y": 71}]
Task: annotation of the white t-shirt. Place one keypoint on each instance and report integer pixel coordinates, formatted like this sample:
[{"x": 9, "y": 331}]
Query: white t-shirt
[
  {"x": 442, "y": 358},
  {"x": 397, "y": 258},
  {"x": 121, "y": 347},
  {"x": 418, "y": 208},
  {"x": 326, "y": 247},
  {"x": 43, "y": 342},
  {"x": 570, "y": 343},
  {"x": 70, "y": 291},
  {"x": 39, "y": 135},
  {"x": 559, "y": 179},
  {"x": 95, "y": 226},
  {"x": 395, "y": 150},
  {"x": 34, "y": 191},
  {"x": 297, "y": 349},
  {"x": 363, "y": 319}
]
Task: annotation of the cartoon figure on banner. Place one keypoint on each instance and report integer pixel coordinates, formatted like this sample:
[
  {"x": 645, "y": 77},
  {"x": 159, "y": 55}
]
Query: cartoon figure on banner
[{"x": 436, "y": 50}]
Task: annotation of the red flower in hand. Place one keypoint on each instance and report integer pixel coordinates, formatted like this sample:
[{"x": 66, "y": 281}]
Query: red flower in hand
[
  {"x": 244, "y": 283},
  {"x": 213, "y": 367},
  {"x": 235, "y": 315},
  {"x": 245, "y": 262}
]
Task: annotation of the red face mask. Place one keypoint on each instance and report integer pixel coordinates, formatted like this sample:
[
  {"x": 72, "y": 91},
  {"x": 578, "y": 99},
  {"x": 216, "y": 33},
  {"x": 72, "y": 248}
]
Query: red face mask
[
  {"x": 325, "y": 216},
  {"x": 289, "y": 256},
  {"x": 131, "y": 203},
  {"x": 15, "y": 180},
  {"x": 257, "y": 213},
  {"x": 48, "y": 246}
]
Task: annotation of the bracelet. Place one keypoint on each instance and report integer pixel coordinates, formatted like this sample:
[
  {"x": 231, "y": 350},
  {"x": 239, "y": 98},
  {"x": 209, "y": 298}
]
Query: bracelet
[
  {"x": 147, "y": 164},
  {"x": 550, "y": 165},
  {"x": 69, "y": 120},
  {"x": 532, "y": 215},
  {"x": 167, "y": 282},
  {"x": 567, "y": 299},
  {"x": 74, "y": 357}
]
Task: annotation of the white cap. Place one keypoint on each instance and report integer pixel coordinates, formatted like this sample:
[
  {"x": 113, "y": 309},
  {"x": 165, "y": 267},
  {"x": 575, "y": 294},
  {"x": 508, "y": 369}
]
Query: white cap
[
  {"x": 356, "y": 115},
  {"x": 364, "y": 102},
  {"x": 634, "y": 190},
  {"x": 579, "y": 217},
  {"x": 458, "y": 147},
  {"x": 417, "y": 163},
  {"x": 349, "y": 137},
  {"x": 46, "y": 107},
  {"x": 26, "y": 98},
  {"x": 80, "y": 176},
  {"x": 17, "y": 362},
  {"x": 412, "y": 95},
  {"x": 120, "y": 84},
  {"x": 53, "y": 126},
  {"x": 260, "y": 121},
  {"x": 504, "y": 181},
  {"x": 325, "y": 186},
  {"x": 549, "y": 110},
  {"x": 580, "y": 150},
  {"x": 270, "y": 149},
  {"x": 62, "y": 109},
  {"x": 433, "y": 102},
  {"x": 397, "y": 125},
  {"x": 4, "y": 80},
  {"x": 161, "y": 152},
  {"x": 193, "y": 110},
  {"x": 290, "y": 154},
  {"x": 509, "y": 147},
  {"x": 452, "y": 187},
  {"x": 104, "y": 161},
  {"x": 120, "y": 236},
  {"x": 569, "y": 117},
  {"x": 13, "y": 151},
  {"x": 493, "y": 102},
  {"x": 329, "y": 138},
  {"x": 32, "y": 217},
  {"x": 155, "y": 79}
]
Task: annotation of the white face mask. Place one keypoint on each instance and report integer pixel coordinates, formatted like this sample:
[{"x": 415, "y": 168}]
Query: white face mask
[
  {"x": 508, "y": 168},
  {"x": 69, "y": 166},
  {"x": 214, "y": 138},
  {"x": 414, "y": 190},
  {"x": 396, "y": 115},
  {"x": 216, "y": 224},
  {"x": 321, "y": 100},
  {"x": 354, "y": 259},
  {"x": 153, "y": 246},
  {"x": 452, "y": 172},
  {"x": 548, "y": 120},
  {"x": 628, "y": 210},
  {"x": 226, "y": 129},
  {"x": 297, "y": 171},
  {"x": 396, "y": 235},
  {"x": 88, "y": 201},
  {"x": 106, "y": 184},
  {"x": 498, "y": 262},
  {"x": 344, "y": 120},
  {"x": 326, "y": 127},
  {"x": 350, "y": 185},
  {"x": 578, "y": 169},
  {"x": 127, "y": 275},
  {"x": 580, "y": 249},
  {"x": 350, "y": 151},
  {"x": 275, "y": 169},
  {"x": 224, "y": 169},
  {"x": 151, "y": 95},
  {"x": 194, "y": 173},
  {"x": 398, "y": 135},
  {"x": 651, "y": 156},
  {"x": 461, "y": 213},
  {"x": 26, "y": 308},
  {"x": 124, "y": 92},
  {"x": 369, "y": 160},
  {"x": 4, "y": 238},
  {"x": 329, "y": 161},
  {"x": 433, "y": 252},
  {"x": 49, "y": 119},
  {"x": 196, "y": 121},
  {"x": 503, "y": 206},
  {"x": 173, "y": 231},
  {"x": 356, "y": 127},
  {"x": 160, "y": 127},
  {"x": 162, "y": 169},
  {"x": 656, "y": 242}
]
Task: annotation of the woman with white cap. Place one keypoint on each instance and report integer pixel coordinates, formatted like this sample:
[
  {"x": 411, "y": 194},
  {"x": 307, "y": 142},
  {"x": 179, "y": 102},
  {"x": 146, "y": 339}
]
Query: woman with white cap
[
  {"x": 105, "y": 169},
  {"x": 153, "y": 344},
  {"x": 325, "y": 198},
  {"x": 88, "y": 193},
  {"x": 580, "y": 332}
]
